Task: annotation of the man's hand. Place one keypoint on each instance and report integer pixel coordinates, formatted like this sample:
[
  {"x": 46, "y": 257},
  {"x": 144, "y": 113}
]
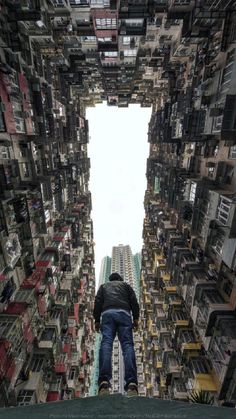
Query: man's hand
[
  {"x": 97, "y": 327},
  {"x": 135, "y": 325}
]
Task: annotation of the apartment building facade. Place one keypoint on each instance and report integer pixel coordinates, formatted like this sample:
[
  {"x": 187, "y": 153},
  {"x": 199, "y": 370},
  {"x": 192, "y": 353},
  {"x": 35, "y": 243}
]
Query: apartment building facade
[
  {"x": 122, "y": 261},
  {"x": 188, "y": 258},
  {"x": 104, "y": 274}
]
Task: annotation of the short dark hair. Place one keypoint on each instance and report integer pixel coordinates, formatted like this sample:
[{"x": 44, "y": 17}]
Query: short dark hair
[{"x": 115, "y": 277}]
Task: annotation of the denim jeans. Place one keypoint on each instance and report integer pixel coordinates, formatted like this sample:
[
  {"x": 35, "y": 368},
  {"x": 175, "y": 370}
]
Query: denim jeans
[{"x": 120, "y": 323}]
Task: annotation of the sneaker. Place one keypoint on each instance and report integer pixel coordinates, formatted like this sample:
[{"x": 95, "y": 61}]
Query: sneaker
[
  {"x": 104, "y": 388},
  {"x": 132, "y": 390}
]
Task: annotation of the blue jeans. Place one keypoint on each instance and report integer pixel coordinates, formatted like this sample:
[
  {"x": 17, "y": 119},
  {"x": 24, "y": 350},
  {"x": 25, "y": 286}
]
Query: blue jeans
[{"x": 120, "y": 323}]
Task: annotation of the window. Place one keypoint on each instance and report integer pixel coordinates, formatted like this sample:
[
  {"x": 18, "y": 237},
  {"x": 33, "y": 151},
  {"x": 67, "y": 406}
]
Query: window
[
  {"x": 130, "y": 52},
  {"x": 106, "y": 39},
  {"x": 88, "y": 38},
  {"x": 230, "y": 57},
  {"x": 17, "y": 107},
  {"x": 36, "y": 364},
  {"x": 217, "y": 123},
  {"x": 232, "y": 152},
  {"x": 106, "y": 23},
  {"x": 25, "y": 167},
  {"x": 26, "y": 397},
  {"x": 126, "y": 40},
  {"x": 111, "y": 53},
  {"x": 199, "y": 366},
  {"x": 48, "y": 334},
  {"x": 22, "y": 295},
  {"x": 37, "y": 167},
  {"x": 72, "y": 374},
  {"x": 217, "y": 244},
  {"x": 5, "y": 326},
  {"x": 223, "y": 210},
  {"x": 181, "y": 2},
  {"x": 2, "y": 125},
  {"x": 99, "y": 3},
  {"x": 78, "y": 2},
  {"x": 134, "y": 22},
  {"x": 61, "y": 359},
  {"x": 227, "y": 288},
  {"x": 214, "y": 297},
  {"x": 179, "y": 315},
  {"x": 192, "y": 193},
  {"x": 58, "y": 2}
]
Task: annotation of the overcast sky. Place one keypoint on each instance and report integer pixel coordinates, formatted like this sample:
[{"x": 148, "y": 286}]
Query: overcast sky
[{"x": 118, "y": 151}]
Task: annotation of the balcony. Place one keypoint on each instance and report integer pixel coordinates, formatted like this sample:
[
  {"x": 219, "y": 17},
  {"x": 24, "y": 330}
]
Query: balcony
[
  {"x": 210, "y": 305},
  {"x": 26, "y": 312},
  {"x": 11, "y": 330},
  {"x": 160, "y": 314},
  {"x": 62, "y": 298},
  {"x": 55, "y": 319},
  {"x": 26, "y": 397},
  {"x": 62, "y": 364},
  {"x": 179, "y": 390},
  {"x": 53, "y": 396},
  {"x": 166, "y": 345},
  {"x": 72, "y": 378},
  {"x": 163, "y": 326},
  {"x": 191, "y": 348},
  {"x": 201, "y": 377},
  {"x": 55, "y": 389},
  {"x": 35, "y": 384},
  {"x": 11, "y": 249},
  {"x": 188, "y": 343},
  {"x": 173, "y": 367},
  {"x": 193, "y": 282},
  {"x": 204, "y": 382},
  {"x": 48, "y": 338},
  {"x": 75, "y": 358},
  {"x": 174, "y": 299},
  {"x": 222, "y": 351},
  {"x": 179, "y": 317}
]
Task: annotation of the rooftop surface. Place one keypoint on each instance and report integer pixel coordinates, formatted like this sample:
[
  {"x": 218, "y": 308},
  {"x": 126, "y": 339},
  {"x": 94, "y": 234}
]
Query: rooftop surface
[{"x": 117, "y": 407}]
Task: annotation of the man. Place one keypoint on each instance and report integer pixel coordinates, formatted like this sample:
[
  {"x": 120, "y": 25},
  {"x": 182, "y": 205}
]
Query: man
[{"x": 113, "y": 303}]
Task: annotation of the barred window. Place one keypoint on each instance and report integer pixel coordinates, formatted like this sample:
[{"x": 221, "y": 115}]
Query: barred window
[
  {"x": 106, "y": 23},
  {"x": 130, "y": 52}
]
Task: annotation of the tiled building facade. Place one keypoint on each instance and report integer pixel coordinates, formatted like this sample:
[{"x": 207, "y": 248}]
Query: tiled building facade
[{"x": 188, "y": 258}]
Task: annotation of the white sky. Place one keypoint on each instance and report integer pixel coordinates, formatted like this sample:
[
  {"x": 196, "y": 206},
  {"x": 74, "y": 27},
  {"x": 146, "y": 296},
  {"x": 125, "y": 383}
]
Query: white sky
[{"x": 118, "y": 150}]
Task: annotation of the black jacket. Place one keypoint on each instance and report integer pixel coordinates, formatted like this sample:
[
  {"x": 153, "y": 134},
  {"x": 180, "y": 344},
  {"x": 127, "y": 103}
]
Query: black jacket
[{"x": 115, "y": 294}]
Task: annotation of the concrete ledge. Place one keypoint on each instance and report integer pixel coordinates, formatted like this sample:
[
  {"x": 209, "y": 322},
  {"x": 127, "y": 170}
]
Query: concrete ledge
[{"x": 117, "y": 407}]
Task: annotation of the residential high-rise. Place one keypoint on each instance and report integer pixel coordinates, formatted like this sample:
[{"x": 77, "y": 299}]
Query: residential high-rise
[
  {"x": 122, "y": 261},
  {"x": 105, "y": 272}
]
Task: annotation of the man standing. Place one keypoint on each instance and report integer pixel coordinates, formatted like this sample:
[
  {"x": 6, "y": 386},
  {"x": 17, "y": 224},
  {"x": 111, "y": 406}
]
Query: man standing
[{"x": 113, "y": 303}]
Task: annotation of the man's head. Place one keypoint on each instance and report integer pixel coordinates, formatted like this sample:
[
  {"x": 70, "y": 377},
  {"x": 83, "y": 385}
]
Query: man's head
[{"x": 115, "y": 277}]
